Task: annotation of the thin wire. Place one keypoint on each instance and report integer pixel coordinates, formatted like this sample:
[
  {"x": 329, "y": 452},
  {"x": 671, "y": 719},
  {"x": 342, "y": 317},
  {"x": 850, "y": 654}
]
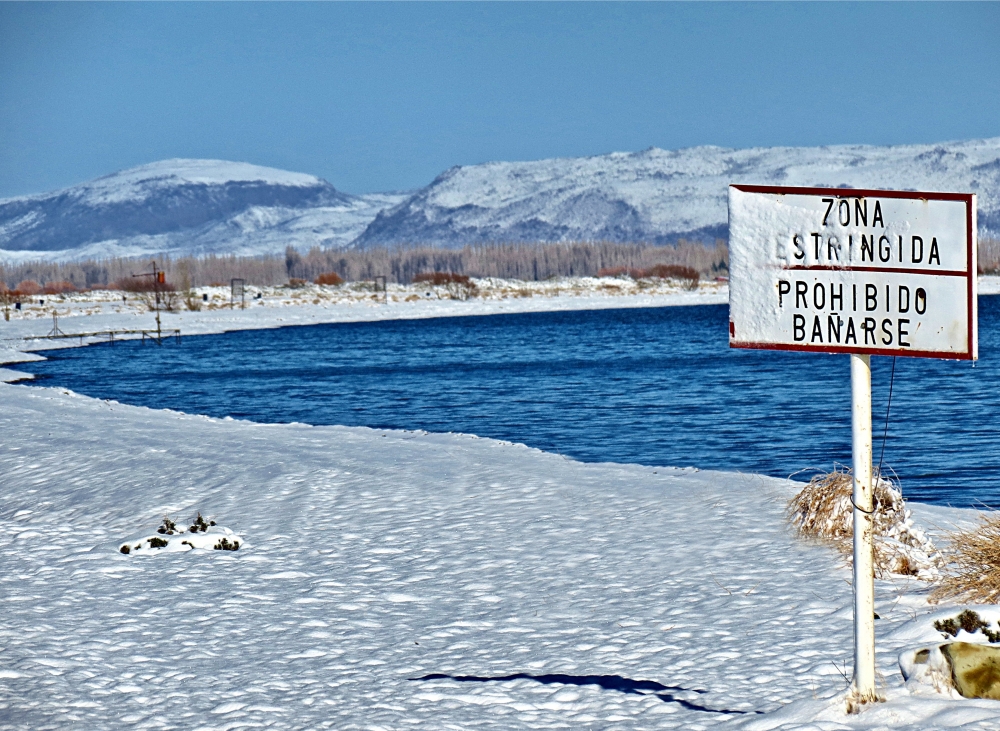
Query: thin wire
[
  {"x": 866, "y": 512},
  {"x": 888, "y": 405}
]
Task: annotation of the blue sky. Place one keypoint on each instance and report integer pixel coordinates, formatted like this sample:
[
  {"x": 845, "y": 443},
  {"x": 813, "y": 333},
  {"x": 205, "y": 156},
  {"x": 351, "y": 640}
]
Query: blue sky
[{"x": 381, "y": 96}]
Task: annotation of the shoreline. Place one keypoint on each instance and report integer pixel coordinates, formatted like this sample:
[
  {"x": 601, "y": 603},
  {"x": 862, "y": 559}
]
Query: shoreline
[{"x": 103, "y": 310}]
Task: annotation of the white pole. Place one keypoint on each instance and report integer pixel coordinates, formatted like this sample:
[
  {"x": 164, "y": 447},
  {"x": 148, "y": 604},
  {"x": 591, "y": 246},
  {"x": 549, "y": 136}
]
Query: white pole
[{"x": 864, "y": 526}]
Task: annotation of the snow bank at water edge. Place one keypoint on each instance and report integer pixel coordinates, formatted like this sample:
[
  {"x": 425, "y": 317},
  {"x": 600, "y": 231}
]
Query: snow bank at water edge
[
  {"x": 313, "y": 304},
  {"x": 97, "y": 311},
  {"x": 393, "y": 579}
]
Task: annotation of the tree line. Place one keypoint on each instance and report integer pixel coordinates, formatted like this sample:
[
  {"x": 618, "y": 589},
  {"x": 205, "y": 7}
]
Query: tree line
[
  {"x": 528, "y": 262},
  {"x": 400, "y": 265}
]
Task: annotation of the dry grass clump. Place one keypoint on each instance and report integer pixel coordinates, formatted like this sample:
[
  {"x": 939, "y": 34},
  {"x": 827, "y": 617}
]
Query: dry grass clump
[
  {"x": 330, "y": 279},
  {"x": 823, "y": 510},
  {"x": 973, "y": 571},
  {"x": 28, "y": 287},
  {"x": 459, "y": 286},
  {"x": 58, "y": 288},
  {"x": 688, "y": 276}
]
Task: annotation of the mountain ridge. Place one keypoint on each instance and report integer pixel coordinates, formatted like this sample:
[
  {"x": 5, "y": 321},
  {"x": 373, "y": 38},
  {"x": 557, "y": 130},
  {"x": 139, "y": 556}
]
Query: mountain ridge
[
  {"x": 660, "y": 196},
  {"x": 197, "y": 207}
]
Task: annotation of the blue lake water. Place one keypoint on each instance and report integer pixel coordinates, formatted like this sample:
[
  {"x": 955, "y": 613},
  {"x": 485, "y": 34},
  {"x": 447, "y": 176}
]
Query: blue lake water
[{"x": 652, "y": 386}]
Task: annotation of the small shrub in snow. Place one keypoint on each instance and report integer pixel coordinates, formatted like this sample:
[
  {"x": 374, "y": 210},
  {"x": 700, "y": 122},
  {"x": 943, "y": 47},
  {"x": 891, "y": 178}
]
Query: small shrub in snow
[
  {"x": 28, "y": 287},
  {"x": 823, "y": 510},
  {"x": 857, "y": 702},
  {"x": 226, "y": 545},
  {"x": 202, "y": 534},
  {"x": 150, "y": 292},
  {"x": 686, "y": 275},
  {"x": 330, "y": 279},
  {"x": 168, "y": 526},
  {"x": 62, "y": 287},
  {"x": 973, "y": 570},
  {"x": 192, "y": 301},
  {"x": 459, "y": 286},
  {"x": 969, "y": 621}
]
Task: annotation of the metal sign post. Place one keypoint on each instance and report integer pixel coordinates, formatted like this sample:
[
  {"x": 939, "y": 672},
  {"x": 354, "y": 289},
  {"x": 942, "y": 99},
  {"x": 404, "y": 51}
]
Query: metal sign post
[
  {"x": 864, "y": 272},
  {"x": 864, "y": 527}
]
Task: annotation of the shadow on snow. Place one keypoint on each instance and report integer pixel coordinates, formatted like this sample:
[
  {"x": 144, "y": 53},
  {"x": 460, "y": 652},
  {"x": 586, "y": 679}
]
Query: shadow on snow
[{"x": 608, "y": 682}]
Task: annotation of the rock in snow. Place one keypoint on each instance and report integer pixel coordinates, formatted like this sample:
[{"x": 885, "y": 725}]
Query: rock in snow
[{"x": 656, "y": 196}]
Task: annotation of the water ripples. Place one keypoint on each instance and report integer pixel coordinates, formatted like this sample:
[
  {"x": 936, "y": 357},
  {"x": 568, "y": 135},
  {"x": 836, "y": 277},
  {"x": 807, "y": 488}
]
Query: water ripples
[{"x": 652, "y": 386}]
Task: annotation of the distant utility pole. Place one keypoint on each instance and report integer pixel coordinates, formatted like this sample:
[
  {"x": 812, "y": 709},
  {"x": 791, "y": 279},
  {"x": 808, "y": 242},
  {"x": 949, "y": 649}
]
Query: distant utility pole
[{"x": 159, "y": 278}]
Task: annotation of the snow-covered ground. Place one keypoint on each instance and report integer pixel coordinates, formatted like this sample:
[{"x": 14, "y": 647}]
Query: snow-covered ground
[
  {"x": 389, "y": 580},
  {"x": 408, "y": 580}
]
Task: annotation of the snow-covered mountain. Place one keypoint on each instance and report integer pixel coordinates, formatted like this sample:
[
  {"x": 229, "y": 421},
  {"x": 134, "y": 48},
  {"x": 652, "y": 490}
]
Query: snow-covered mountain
[
  {"x": 660, "y": 195},
  {"x": 186, "y": 207},
  {"x": 212, "y": 206}
]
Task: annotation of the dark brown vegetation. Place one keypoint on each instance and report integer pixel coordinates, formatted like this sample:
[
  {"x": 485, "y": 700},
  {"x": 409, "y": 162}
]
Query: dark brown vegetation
[
  {"x": 678, "y": 272},
  {"x": 989, "y": 256},
  {"x": 969, "y": 621},
  {"x": 439, "y": 278},
  {"x": 330, "y": 279},
  {"x": 142, "y": 284},
  {"x": 459, "y": 286},
  {"x": 28, "y": 287},
  {"x": 58, "y": 288}
]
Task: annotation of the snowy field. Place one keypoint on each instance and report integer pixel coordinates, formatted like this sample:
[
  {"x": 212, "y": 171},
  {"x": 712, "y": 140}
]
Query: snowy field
[
  {"x": 408, "y": 580},
  {"x": 392, "y": 580}
]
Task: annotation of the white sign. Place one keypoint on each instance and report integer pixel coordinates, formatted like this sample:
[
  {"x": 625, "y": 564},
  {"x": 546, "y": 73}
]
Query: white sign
[{"x": 837, "y": 270}]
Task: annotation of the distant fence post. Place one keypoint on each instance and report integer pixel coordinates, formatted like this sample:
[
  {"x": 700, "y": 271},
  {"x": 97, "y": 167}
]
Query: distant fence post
[{"x": 236, "y": 292}]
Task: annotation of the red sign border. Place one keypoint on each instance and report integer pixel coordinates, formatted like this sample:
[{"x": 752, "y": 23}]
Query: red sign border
[{"x": 970, "y": 275}]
